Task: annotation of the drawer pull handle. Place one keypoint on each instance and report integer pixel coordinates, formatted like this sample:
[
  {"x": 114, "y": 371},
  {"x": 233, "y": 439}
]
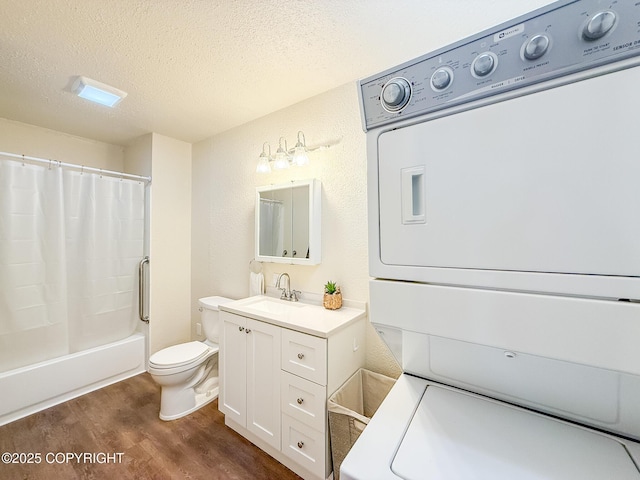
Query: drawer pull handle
[
  {"x": 241, "y": 329},
  {"x": 300, "y": 444},
  {"x": 300, "y": 400},
  {"x": 301, "y": 356}
]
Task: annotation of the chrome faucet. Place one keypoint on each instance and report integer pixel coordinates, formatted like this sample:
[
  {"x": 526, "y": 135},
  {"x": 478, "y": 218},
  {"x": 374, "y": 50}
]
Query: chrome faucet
[{"x": 287, "y": 293}]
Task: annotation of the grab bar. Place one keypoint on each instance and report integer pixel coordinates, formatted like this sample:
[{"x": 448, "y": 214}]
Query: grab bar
[{"x": 141, "y": 288}]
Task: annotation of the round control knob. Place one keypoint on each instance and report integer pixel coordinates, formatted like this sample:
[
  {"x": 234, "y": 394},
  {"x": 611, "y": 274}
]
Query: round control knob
[
  {"x": 441, "y": 78},
  {"x": 599, "y": 25},
  {"x": 484, "y": 64},
  {"x": 536, "y": 47},
  {"x": 396, "y": 94}
]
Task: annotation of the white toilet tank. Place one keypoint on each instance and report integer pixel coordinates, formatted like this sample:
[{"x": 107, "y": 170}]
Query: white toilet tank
[{"x": 209, "y": 316}]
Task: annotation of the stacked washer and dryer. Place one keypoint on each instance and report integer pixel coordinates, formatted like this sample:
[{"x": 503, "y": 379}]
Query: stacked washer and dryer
[{"x": 504, "y": 238}]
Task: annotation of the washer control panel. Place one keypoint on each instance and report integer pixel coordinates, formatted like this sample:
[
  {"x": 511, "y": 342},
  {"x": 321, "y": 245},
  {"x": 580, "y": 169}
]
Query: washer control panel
[{"x": 562, "y": 38}]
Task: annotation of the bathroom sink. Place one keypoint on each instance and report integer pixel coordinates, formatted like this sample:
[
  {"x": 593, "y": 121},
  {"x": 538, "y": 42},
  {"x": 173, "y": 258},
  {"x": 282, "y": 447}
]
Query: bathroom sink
[
  {"x": 274, "y": 305},
  {"x": 303, "y": 316}
]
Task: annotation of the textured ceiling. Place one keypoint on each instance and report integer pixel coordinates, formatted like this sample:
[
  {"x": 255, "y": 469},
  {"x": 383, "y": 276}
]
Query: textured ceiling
[{"x": 194, "y": 68}]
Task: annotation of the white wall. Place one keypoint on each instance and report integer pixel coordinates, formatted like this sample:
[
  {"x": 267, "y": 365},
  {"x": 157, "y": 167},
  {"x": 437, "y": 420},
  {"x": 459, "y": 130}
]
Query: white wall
[
  {"x": 224, "y": 181},
  {"x": 168, "y": 162},
  {"x": 25, "y": 139},
  {"x": 138, "y": 156},
  {"x": 170, "y": 243}
]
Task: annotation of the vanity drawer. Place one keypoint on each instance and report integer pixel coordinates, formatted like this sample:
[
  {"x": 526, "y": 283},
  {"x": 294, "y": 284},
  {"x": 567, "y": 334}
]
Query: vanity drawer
[
  {"x": 304, "y": 400},
  {"x": 304, "y": 445},
  {"x": 305, "y": 355}
]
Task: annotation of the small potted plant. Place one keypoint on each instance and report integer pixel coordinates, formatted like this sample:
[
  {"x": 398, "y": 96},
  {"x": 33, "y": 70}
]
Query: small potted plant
[{"x": 332, "y": 299}]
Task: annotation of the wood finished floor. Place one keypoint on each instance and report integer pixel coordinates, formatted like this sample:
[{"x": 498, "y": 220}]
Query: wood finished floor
[{"x": 124, "y": 418}]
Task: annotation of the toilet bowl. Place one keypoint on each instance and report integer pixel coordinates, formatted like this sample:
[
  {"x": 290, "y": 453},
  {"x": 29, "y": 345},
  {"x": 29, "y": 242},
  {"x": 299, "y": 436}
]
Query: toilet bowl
[{"x": 188, "y": 372}]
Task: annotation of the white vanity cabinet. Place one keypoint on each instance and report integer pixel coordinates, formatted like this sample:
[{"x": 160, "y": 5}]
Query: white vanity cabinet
[
  {"x": 274, "y": 386},
  {"x": 304, "y": 399},
  {"x": 251, "y": 368}
]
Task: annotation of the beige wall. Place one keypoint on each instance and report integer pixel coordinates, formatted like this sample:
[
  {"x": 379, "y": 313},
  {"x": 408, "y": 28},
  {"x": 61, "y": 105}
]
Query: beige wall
[
  {"x": 224, "y": 182},
  {"x": 24, "y": 139},
  {"x": 138, "y": 156},
  {"x": 168, "y": 162}
]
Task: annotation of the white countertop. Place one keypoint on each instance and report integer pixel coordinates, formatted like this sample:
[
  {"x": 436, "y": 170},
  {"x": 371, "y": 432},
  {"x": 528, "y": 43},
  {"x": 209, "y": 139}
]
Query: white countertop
[{"x": 302, "y": 317}]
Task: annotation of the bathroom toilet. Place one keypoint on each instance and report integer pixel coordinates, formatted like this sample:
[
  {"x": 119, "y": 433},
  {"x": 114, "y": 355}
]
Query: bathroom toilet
[{"x": 188, "y": 372}]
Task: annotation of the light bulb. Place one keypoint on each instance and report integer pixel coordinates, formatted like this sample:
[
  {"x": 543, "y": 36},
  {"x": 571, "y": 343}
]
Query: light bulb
[
  {"x": 263, "y": 161},
  {"x": 300, "y": 156},
  {"x": 281, "y": 159},
  {"x": 263, "y": 165}
]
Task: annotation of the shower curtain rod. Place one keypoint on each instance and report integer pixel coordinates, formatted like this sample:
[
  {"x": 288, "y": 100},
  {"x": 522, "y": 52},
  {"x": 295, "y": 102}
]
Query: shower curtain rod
[{"x": 82, "y": 168}]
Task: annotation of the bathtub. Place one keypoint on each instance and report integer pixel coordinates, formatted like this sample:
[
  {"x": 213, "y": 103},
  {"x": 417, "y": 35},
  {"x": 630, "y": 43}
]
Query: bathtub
[{"x": 29, "y": 389}]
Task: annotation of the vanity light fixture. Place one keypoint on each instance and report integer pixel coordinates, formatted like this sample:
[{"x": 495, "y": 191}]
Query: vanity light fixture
[
  {"x": 284, "y": 157},
  {"x": 97, "y": 92}
]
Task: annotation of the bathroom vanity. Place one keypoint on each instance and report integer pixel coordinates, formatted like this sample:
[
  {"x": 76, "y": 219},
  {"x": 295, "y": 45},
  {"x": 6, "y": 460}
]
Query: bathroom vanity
[{"x": 279, "y": 363}]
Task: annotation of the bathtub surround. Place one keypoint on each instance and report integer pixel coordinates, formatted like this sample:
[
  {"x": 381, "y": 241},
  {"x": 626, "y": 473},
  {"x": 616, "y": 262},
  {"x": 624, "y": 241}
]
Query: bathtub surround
[
  {"x": 169, "y": 160},
  {"x": 69, "y": 252},
  {"x": 39, "y": 386},
  {"x": 168, "y": 235},
  {"x": 69, "y": 249}
]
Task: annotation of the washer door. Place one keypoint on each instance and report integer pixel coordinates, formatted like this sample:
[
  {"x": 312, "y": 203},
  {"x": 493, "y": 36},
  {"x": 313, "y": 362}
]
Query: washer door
[
  {"x": 455, "y": 435},
  {"x": 542, "y": 183}
]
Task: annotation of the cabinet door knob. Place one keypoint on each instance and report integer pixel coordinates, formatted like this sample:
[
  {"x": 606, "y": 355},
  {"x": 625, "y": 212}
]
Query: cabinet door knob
[
  {"x": 300, "y": 444},
  {"x": 300, "y": 400},
  {"x": 301, "y": 356},
  {"x": 241, "y": 329},
  {"x": 248, "y": 331}
]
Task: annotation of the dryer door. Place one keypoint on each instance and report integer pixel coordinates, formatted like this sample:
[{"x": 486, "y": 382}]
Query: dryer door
[{"x": 541, "y": 183}]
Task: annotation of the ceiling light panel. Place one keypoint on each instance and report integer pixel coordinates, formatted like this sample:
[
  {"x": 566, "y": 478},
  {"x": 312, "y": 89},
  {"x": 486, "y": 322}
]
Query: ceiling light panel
[{"x": 97, "y": 92}]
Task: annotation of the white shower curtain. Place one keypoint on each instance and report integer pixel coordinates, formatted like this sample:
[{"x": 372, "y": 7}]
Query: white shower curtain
[
  {"x": 70, "y": 243},
  {"x": 271, "y": 227}
]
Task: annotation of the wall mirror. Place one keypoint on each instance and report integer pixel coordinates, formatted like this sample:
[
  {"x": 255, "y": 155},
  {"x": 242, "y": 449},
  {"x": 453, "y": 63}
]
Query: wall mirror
[{"x": 288, "y": 219}]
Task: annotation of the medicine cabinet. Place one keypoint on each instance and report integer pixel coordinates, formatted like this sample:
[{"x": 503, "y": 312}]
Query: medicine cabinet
[{"x": 288, "y": 218}]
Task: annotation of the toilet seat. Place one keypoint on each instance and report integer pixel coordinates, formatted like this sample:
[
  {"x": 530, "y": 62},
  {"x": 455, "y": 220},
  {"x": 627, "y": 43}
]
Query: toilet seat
[{"x": 182, "y": 355}]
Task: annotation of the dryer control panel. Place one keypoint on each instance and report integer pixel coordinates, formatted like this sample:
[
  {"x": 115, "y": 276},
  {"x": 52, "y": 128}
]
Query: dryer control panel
[{"x": 563, "y": 38}]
